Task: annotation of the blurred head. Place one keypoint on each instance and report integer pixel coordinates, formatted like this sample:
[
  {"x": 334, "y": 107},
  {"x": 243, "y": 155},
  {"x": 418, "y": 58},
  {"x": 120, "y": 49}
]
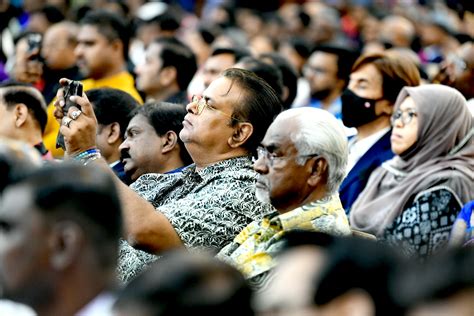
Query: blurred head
[
  {"x": 169, "y": 65},
  {"x": 396, "y": 31},
  {"x": 66, "y": 219},
  {"x": 102, "y": 44},
  {"x": 59, "y": 42},
  {"x": 236, "y": 110},
  {"x": 22, "y": 112},
  {"x": 462, "y": 64},
  {"x": 184, "y": 284},
  {"x": 302, "y": 158},
  {"x": 220, "y": 60},
  {"x": 152, "y": 144},
  {"x": 113, "y": 109},
  {"x": 327, "y": 70}
]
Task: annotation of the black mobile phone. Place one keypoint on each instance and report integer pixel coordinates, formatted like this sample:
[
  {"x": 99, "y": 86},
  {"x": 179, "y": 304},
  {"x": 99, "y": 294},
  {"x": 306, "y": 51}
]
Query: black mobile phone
[
  {"x": 73, "y": 88},
  {"x": 34, "y": 41}
]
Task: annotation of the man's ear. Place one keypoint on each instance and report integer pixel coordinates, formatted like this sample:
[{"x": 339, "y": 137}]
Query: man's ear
[
  {"x": 242, "y": 132},
  {"x": 114, "y": 134},
  {"x": 117, "y": 45},
  {"x": 21, "y": 114},
  {"x": 169, "y": 141},
  {"x": 319, "y": 169},
  {"x": 66, "y": 243},
  {"x": 168, "y": 75}
]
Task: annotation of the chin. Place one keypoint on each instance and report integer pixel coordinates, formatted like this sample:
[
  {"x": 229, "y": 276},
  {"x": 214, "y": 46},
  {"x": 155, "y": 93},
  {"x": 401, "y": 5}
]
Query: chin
[{"x": 263, "y": 195}]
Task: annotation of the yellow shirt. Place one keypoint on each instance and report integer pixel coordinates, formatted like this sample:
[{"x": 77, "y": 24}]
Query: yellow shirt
[{"x": 122, "y": 81}]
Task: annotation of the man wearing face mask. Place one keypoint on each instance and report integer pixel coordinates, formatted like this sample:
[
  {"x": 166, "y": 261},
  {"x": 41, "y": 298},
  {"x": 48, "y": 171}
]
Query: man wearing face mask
[{"x": 367, "y": 105}]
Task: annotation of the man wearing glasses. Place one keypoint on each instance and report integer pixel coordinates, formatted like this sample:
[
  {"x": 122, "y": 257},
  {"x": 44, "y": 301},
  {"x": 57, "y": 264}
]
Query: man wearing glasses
[
  {"x": 301, "y": 161},
  {"x": 210, "y": 202}
]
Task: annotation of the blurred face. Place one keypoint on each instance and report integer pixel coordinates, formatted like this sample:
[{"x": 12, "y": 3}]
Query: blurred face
[
  {"x": 57, "y": 50},
  {"x": 141, "y": 149},
  {"x": 93, "y": 52},
  {"x": 366, "y": 82},
  {"x": 7, "y": 120},
  {"x": 215, "y": 65},
  {"x": 405, "y": 126},
  {"x": 148, "y": 73},
  {"x": 211, "y": 130},
  {"x": 321, "y": 73},
  {"x": 24, "y": 254},
  {"x": 281, "y": 182},
  {"x": 458, "y": 304}
]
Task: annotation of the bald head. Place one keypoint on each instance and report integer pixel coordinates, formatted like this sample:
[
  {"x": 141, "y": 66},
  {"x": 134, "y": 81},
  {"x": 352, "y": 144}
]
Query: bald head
[
  {"x": 397, "y": 31},
  {"x": 58, "y": 45}
]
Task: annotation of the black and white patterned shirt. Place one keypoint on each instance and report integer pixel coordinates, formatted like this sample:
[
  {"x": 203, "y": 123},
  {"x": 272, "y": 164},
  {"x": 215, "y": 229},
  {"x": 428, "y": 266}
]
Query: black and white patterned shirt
[{"x": 207, "y": 208}]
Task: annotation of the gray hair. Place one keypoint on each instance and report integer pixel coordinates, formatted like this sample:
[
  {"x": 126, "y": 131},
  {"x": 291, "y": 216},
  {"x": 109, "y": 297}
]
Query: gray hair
[{"x": 320, "y": 133}]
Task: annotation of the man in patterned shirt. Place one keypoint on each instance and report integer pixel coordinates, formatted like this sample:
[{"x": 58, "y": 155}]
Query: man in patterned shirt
[
  {"x": 210, "y": 202},
  {"x": 301, "y": 163}
]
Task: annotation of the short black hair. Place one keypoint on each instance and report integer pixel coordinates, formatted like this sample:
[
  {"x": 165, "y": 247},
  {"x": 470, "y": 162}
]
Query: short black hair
[
  {"x": 112, "y": 105},
  {"x": 164, "y": 117},
  {"x": 182, "y": 283},
  {"x": 268, "y": 72},
  {"x": 237, "y": 52},
  {"x": 259, "y": 106},
  {"x": 51, "y": 13},
  {"x": 14, "y": 93},
  {"x": 110, "y": 25},
  {"x": 289, "y": 76},
  {"x": 86, "y": 195},
  {"x": 345, "y": 59},
  {"x": 176, "y": 54}
]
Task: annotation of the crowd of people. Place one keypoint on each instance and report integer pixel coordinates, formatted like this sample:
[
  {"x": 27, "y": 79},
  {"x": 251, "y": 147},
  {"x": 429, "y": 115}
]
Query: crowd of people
[{"x": 233, "y": 156}]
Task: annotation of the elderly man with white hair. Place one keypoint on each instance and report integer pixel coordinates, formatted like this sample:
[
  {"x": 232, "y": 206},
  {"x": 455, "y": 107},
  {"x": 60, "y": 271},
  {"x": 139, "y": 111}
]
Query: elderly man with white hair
[{"x": 301, "y": 163}]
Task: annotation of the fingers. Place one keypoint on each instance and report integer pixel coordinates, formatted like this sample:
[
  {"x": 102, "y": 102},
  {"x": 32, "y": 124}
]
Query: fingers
[{"x": 83, "y": 102}]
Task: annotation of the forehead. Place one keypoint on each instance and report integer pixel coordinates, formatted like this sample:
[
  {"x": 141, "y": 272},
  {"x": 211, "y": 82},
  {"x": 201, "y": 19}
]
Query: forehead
[
  {"x": 154, "y": 50},
  {"x": 279, "y": 132},
  {"x": 224, "y": 91},
  {"x": 323, "y": 58},
  {"x": 408, "y": 103},
  {"x": 221, "y": 61},
  {"x": 89, "y": 33},
  {"x": 139, "y": 120},
  {"x": 15, "y": 203},
  {"x": 367, "y": 73}
]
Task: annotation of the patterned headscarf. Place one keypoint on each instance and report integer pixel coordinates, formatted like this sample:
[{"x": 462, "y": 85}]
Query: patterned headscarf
[{"x": 442, "y": 154}]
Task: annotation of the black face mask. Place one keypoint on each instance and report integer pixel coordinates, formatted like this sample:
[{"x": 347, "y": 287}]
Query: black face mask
[{"x": 357, "y": 111}]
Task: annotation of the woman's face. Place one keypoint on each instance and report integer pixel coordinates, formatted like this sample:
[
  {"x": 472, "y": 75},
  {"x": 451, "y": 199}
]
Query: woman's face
[{"x": 405, "y": 126}]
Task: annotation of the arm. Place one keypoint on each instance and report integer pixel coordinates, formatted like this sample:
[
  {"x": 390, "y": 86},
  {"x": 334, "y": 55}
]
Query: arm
[{"x": 145, "y": 227}]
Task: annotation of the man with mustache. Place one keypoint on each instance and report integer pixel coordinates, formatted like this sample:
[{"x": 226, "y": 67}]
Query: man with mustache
[
  {"x": 152, "y": 143},
  {"x": 301, "y": 162}
]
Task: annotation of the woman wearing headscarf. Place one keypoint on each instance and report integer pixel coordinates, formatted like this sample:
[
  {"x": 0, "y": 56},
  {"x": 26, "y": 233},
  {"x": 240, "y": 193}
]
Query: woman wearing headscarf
[{"x": 413, "y": 199}]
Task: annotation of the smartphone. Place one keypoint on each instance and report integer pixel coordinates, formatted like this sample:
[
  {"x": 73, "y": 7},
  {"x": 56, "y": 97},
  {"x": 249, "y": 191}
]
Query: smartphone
[
  {"x": 34, "y": 46},
  {"x": 73, "y": 88}
]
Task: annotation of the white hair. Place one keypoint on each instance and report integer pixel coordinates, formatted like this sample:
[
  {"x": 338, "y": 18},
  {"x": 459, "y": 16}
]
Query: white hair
[{"x": 319, "y": 132}]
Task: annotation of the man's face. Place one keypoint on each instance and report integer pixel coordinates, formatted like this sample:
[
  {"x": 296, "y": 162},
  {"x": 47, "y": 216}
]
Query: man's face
[
  {"x": 93, "y": 52},
  {"x": 215, "y": 65},
  {"x": 321, "y": 73},
  {"x": 57, "y": 50},
  {"x": 141, "y": 149},
  {"x": 281, "y": 182},
  {"x": 148, "y": 73},
  {"x": 210, "y": 130},
  {"x": 25, "y": 238}
]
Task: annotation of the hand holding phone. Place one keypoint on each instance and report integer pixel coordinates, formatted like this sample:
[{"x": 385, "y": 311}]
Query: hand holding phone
[{"x": 72, "y": 88}]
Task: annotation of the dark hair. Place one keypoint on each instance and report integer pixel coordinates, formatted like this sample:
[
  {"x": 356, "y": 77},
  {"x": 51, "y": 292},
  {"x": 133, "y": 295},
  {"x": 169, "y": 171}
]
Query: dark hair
[
  {"x": 164, "y": 117},
  {"x": 176, "y": 54},
  {"x": 86, "y": 195},
  {"x": 268, "y": 72},
  {"x": 396, "y": 70},
  {"x": 182, "y": 283},
  {"x": 238, "y": 53},
  {"x": 345, "y": 59},
  {"x": 301, "y": 45},
  {"x": 209, "y": 33},
  {"x": 51, "y": 13},
  {"x": 112, "y": 105},
  {"x": 110, "y": 25},
  {"x": 356, "y": 263},
  {"x": 15, "y": 93},
  {"x": 289, "y": 74},
  {"x": 259, "y": 106},
  {"x": 167, "y": 21}
]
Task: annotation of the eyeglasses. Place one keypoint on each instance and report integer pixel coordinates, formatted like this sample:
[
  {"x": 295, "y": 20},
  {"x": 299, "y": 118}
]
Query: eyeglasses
[
  {"x": 202, "y": 104},
  {"x": 312, "y": 70},
  {"x": 405, "y": 116},
  {"x": 262, "y": 152}
]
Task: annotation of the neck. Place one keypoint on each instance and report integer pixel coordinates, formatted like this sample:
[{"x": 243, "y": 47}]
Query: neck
[
  {"x": 172, "y": 163},
  {"x": 373, "y": 127},
  {"x": 327, "y": 102},
  {"x": 115, "y": 69},
  {"x": 202, "y": 160},
  {"x": 68, "y": 300},
  {"x": 317, "y": 194},
  {"x": 162, "y": 94},
  {"x": 30, "y": 136}
]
